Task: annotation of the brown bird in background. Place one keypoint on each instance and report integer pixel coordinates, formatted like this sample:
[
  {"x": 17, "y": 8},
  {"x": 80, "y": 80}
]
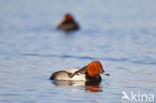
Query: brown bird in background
[{"x": 68, "y": 23}]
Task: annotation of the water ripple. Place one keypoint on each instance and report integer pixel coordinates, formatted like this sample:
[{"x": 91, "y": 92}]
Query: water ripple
[{"x": 93, "y": 58}]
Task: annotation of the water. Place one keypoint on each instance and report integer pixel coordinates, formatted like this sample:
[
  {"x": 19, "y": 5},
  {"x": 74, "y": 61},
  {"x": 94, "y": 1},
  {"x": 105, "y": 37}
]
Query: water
[{"x": 121, "y": 34}]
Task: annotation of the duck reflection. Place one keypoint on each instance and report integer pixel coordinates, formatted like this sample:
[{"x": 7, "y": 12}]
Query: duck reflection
[
  {"x": 88, "y": 86},
  {"x": 93, "y": 87}
]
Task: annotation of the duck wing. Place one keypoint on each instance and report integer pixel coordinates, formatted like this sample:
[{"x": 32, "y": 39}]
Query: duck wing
[{"x": 80, "y": 71}]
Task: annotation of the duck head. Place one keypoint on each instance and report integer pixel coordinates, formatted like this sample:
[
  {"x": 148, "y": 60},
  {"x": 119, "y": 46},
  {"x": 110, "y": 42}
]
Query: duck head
[
  {"x": 95, "y": 68},
  {"x": 68, "y": 17}
]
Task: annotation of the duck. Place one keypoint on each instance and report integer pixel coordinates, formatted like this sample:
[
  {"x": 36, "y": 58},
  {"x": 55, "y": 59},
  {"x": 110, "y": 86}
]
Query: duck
[
  {"x": 89, "y": 73},
  {"x": 68, "y": 23}
]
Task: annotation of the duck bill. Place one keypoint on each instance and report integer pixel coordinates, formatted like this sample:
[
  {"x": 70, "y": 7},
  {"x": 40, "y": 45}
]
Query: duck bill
[
  {"x": 106, "y": 73},
  {"x": 103, "y": 72}
]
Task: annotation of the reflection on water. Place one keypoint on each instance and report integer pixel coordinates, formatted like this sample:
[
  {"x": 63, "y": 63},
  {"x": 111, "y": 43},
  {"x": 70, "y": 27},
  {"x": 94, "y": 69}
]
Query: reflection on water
[
  {"x": 94, "y": 88},
  {"x": 68, "y": 83},
  {"x": 89, "y": 86}
]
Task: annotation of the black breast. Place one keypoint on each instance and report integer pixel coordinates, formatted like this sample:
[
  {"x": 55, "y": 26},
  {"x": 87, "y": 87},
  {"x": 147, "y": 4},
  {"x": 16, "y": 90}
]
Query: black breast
[{"x": 96, "y": 78}]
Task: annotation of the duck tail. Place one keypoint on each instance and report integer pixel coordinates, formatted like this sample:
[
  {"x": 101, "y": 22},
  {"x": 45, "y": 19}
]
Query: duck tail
[{"x": 53, "y": 76}]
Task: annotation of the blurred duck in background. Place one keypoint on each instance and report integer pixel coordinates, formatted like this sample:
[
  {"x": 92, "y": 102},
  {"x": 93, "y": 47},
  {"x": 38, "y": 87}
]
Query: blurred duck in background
[{"x": 68, "y": 23}]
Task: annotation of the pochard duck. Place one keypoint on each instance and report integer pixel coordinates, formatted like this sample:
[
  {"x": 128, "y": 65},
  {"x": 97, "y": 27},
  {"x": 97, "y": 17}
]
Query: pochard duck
[
  {"x": 68, "y": 23},
  {"x": 90, "y": 72}
]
